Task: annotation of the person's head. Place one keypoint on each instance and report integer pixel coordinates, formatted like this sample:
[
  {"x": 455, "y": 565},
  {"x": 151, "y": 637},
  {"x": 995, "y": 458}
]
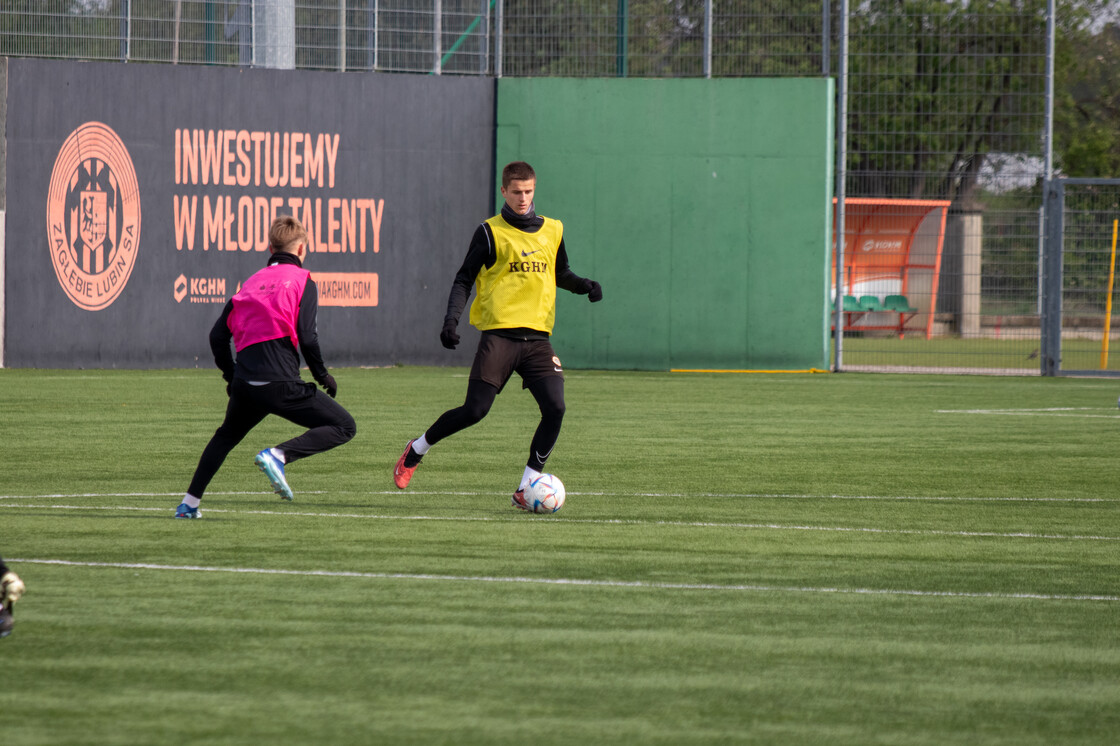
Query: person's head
[
  {"x": 519, "y": 181},
  {"x": 287, "y": 235}
]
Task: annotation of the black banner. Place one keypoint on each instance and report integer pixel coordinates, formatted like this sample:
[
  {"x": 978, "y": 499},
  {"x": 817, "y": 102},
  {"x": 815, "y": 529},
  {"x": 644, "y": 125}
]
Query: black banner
[{"x": 139, "y": 196}]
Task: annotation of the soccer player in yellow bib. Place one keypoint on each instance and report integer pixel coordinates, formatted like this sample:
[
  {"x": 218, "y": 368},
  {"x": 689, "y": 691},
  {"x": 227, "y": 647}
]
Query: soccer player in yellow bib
[{"x": 515, "y": 262}]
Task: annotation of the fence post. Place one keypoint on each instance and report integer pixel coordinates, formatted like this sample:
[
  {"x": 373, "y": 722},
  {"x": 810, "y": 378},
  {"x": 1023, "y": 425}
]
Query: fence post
[
  {"x": 342, "y": 36},
  {"x": 126, "y": 30},
  {"x": 499, "y": 29},
  {"x": 707, "y": 38},
  {"x": 274, "y": 34},
  {"x": 620, "y": 39},
  {"x": 1051, "y": 320},
  {"x": 841, "y": 192},
  {"x": 972, "y": 230},
  {"x": 826, "y": 38},
  {"x": 437, "y": 37}
]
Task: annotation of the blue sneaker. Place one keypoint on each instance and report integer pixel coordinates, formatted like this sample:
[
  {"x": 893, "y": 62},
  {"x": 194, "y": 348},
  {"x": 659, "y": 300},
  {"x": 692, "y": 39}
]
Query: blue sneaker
[
  {"x": 274, "y": 470},
  {"x": 186, "y": 511}
]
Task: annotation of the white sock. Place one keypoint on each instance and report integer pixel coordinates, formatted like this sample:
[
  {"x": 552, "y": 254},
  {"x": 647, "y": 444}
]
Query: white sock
[
  {"x": 279, "y": 455},
  {"x": 191, "y": 501},
  {"x": 421, "y": 445},
  {"x": 529, "y": 475}
]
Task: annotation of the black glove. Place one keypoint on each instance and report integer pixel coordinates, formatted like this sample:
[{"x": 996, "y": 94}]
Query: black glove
[
  {"x": 594, "y": 290},
  {"x": 449, "y": 337},
  {"x": 329, "y": 385}
]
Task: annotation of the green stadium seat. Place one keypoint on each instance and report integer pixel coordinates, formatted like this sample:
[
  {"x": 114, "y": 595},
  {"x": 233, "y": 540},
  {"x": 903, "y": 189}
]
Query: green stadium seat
[
  {"x": 870, "y": 303},
  {"x": 898, "y": 303},
  {"x": 858, "y": 313}
]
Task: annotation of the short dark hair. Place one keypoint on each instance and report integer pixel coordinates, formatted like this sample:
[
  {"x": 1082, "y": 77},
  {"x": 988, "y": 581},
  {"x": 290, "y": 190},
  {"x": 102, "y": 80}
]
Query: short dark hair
[{"x": 517, "y": 171}]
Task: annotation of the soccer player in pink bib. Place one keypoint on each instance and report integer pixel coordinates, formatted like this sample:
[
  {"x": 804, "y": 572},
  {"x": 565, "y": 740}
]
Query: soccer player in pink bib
[{"x": 272, "y": 315}]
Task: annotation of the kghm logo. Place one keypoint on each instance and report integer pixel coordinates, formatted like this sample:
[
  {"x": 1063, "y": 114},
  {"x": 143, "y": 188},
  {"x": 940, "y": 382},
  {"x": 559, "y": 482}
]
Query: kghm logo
[
  {"x": 882, "y": 244},
  {"x": 536, "y": 267},
  {"x": 200, "y": 289},
  {"x": 93, "y": 216}
]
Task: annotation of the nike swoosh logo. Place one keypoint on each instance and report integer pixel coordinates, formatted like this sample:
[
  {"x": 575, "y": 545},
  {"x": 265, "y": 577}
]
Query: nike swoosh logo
[{"x": 528, "y": 253}]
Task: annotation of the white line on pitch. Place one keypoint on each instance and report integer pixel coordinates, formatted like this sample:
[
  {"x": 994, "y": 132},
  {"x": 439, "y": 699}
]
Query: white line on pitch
[
  {"x": 1046, "y": 412},
  {"x": 580, "y": 582},
  {"x": 680, "y": 495},
  {"x": 138, "y": 494},
  {"x": 605, "y": 521}
]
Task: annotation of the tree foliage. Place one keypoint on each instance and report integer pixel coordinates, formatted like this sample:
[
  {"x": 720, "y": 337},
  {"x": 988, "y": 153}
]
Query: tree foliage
[
  {"x": 937, "y": 86},
  {"x": 1087, "y": 104}
]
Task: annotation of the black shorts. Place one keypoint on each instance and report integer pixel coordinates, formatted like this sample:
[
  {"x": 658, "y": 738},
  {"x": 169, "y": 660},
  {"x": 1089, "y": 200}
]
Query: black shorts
[{"x": 498, "y": 358}]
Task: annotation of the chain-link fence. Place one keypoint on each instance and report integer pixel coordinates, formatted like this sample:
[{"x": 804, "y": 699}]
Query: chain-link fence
[{"x": 947, "y": 100}]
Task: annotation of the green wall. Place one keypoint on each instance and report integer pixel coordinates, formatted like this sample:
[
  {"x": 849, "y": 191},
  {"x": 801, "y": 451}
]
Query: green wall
[{"x": 702, "y": 206}]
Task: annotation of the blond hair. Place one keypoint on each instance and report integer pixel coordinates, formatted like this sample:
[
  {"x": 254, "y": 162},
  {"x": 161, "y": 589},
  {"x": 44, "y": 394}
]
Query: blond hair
[{"x": 286, "y": 234}]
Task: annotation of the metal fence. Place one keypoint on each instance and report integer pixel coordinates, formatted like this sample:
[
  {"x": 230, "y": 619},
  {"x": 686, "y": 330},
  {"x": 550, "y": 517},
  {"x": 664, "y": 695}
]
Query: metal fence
[
  {"x": 464, "y": 37},
  {"x": 951, "y": 103},
  {"x": 945, "y": 100},
  {"x": 1083, "y": 220}
]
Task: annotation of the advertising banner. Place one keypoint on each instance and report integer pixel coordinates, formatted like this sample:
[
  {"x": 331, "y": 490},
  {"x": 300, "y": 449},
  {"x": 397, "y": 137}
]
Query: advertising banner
[{"x": 139, "y": 196}]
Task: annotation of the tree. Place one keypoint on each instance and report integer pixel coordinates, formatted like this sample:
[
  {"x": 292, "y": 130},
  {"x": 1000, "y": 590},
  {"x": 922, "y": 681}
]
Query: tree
[
  {"x": 940, "y": 87},
  {"x": 1087, "y": 104},
  {"x": 935, "y": 86}
]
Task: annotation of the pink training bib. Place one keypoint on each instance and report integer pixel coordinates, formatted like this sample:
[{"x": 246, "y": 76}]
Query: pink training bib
[{"x": 267, "y": 306}]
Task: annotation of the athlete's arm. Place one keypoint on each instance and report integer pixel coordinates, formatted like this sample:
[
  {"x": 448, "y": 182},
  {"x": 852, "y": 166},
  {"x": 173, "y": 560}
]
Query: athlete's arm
[
  {"x": 480, "y": 254},
  {"x": 220, "y": 338},
  {"x": 568, "y": 280},
  {"x": 307, "y": 329}
]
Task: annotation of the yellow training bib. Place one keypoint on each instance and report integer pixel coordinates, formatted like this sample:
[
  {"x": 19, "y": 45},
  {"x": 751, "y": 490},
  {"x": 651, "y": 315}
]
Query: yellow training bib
[{"x": 520, "y": 289}]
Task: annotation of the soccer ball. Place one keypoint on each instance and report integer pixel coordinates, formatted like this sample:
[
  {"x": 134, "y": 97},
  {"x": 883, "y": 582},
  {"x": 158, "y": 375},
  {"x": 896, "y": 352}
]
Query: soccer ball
[{"x": 545, "y": 494}]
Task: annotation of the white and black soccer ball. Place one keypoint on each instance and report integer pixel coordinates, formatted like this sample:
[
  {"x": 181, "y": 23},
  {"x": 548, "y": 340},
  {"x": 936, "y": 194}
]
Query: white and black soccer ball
[{"x": 545, "y": 494}]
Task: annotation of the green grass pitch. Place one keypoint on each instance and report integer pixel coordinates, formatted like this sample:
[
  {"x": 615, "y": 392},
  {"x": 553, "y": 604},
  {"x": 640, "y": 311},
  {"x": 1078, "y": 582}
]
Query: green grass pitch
[{"x": 766, "y": 559}]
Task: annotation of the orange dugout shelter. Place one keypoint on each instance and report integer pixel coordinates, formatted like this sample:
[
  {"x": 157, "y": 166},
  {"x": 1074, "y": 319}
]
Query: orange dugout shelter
[{"x": 892, "y": 260}]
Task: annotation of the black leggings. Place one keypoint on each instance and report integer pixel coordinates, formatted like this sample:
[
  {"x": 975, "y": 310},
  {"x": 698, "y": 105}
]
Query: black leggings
[
  {"x": 329, "y": 424},
  {"x": 549, "y": 393}
]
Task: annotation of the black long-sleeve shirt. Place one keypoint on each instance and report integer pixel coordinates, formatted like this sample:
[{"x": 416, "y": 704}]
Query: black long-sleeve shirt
[
  {"x": 275, "y": 359},
  {"x": 481, "y": 253}
]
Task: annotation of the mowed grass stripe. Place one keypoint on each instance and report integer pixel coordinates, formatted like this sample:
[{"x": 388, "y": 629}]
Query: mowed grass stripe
[
  {"x": 595, "y": 521},
  {"x": 680, "y": 495},
  {"x": 1026, "y": 595}
]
